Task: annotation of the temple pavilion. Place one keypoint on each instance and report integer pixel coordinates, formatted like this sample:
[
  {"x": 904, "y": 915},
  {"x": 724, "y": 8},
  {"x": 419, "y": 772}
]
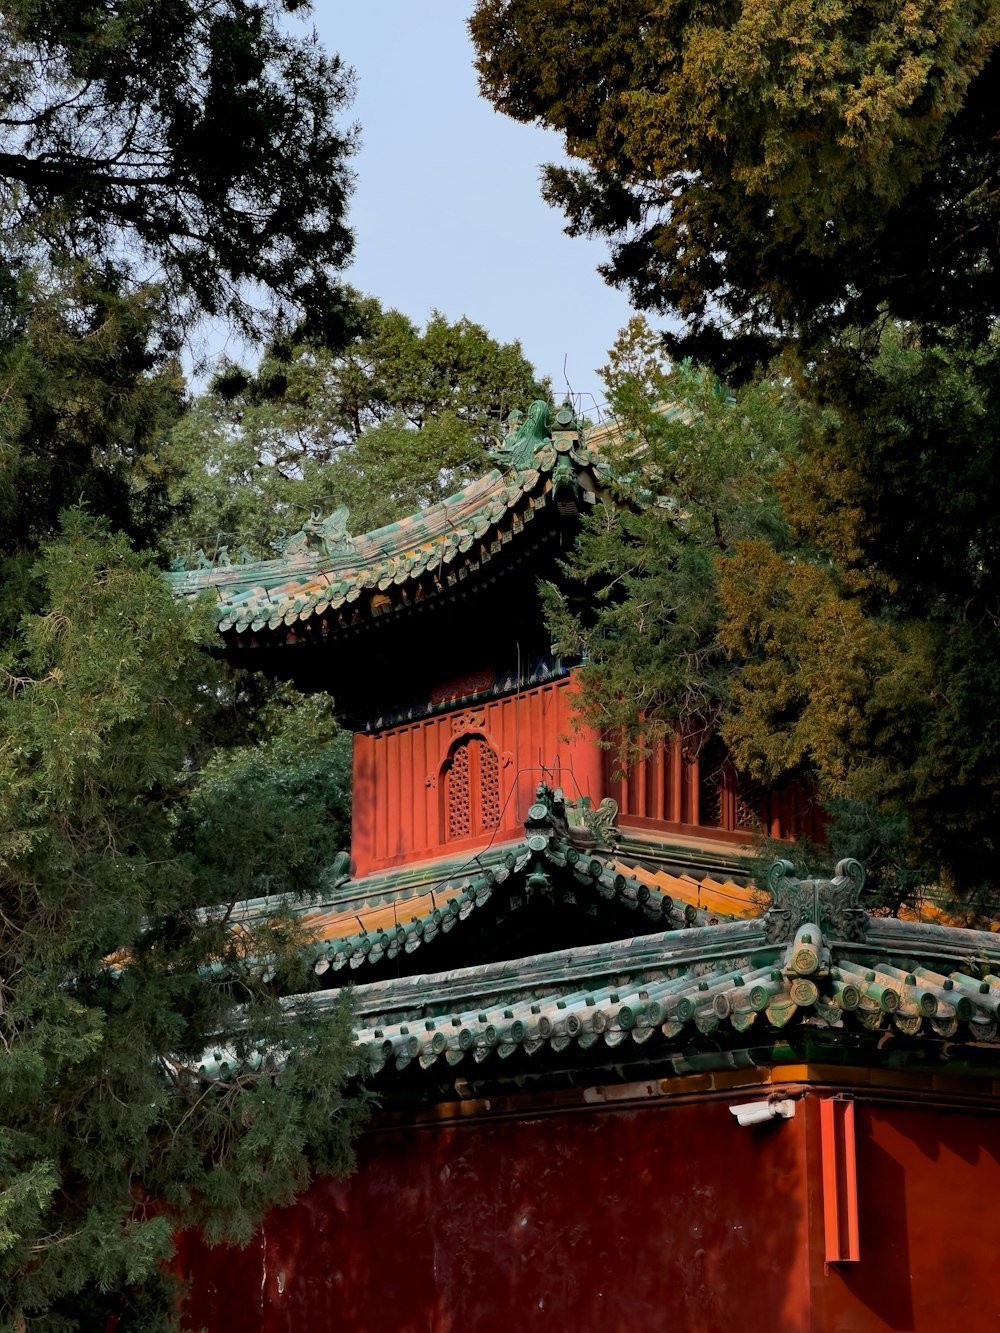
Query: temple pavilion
[{"x": 622, "y": 1086}]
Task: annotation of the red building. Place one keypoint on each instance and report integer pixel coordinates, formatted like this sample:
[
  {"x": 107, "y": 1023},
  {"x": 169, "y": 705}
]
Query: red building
[{"x": 620, "y": 1088}]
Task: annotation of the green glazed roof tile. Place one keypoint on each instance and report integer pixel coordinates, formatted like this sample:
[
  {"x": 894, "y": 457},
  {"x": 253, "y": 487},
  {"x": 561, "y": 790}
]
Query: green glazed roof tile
[
  {"x": 338, "y": 566},
  {"x": 670, "y": 1012}
]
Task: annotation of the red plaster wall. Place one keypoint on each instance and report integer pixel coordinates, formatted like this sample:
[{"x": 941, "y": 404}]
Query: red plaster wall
[
  {"x": 629, "y": 1221},
  {"x": 667, "y": 1217},
  {"x": 929, "y": 1204}
]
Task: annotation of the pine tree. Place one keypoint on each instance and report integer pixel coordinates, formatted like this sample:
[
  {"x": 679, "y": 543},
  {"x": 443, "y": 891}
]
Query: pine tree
[
  {"x": 770, "y": 170},
  {"x": 694, "y": 467},
  {"x": 124, "y": 851},
  {"x": 821, "y": 179},
  {"x": 194, "y": 144}
]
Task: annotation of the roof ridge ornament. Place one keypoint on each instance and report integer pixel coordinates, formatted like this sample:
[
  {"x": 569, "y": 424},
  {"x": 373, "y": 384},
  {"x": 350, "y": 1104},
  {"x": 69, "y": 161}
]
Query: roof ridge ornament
[
  {"x": 578, "y": 823},
  {"x": 320, "y": 536},
  {"x": 524, "y": 437},
  {"x": 833, "y": 904}
]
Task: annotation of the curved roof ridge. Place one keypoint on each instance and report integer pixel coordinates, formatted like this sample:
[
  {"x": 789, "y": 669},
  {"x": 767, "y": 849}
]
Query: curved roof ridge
[{"x": 323, "y": 566}]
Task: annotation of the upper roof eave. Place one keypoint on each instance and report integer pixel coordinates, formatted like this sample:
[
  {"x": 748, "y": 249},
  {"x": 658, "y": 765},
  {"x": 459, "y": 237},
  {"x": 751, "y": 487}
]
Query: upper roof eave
[{"x": 323, "y": 567}]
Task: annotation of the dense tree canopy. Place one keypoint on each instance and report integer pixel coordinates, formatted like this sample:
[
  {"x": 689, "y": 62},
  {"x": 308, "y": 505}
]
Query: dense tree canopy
[
  {"x": 798, "y": 575},
  {"x": 766, "y": 170},
  {"x": 867, "y": 649},
  {"x": 191, "y": 144},
  {"x": 127, "y": 834},
  {"x": 86, "y": 398},
  {"x": 824, "y": 178},
  {"x": 161, "y": 161},
  {"x": 394, "y": 420}
]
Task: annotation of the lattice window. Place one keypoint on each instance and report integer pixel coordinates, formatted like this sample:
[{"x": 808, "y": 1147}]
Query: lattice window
[
  {"x": 748, "y": 806},
  {"x": 458, "y": 796},
  {"x": 725, "y": 800},
  {"x": 489, "y": 786},
  {"x": 471, "y": 789},
  {"x": 712, "y": 785}
]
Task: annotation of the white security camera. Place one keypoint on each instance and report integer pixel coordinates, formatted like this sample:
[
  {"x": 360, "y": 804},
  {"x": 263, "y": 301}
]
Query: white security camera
[{"x": 756, "y": 1113}]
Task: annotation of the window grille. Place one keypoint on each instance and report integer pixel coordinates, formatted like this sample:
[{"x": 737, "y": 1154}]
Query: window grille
[{"x": 471, "y": 789}]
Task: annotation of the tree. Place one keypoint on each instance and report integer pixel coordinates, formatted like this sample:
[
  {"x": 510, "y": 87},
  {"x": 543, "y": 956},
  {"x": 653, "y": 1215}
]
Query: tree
[
  {"x": 192, "y": 144},
  {"x": 694, "y": 476},
  {"x": 867, "y": 648},
  {"x": 824, "y": 178},
  {"x": 124, "y": 849},
  {"x": 772, "y": 170},
  {"x": 87, "y": 395},
  {"x": 395, "y": 420},
  {"x": 810, "y": 566},
  {"x": 127, "y": 755}
]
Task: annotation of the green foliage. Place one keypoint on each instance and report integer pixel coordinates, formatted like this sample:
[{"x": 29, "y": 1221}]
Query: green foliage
[
  {"x": 395, "y": 420},
  {"x": 695, "y": 467},
  {"x": 770, "y": 169},
  {"x": 124, "y": 847},
  {"x": 87, "y": 393},
  {"x": 867, "y": 649},
  {"x": 271, "y": 817},
  {"x": 144, "y": 789},
  {"x": 821, "y": 177},
  {"x": 194, "y": 141}
]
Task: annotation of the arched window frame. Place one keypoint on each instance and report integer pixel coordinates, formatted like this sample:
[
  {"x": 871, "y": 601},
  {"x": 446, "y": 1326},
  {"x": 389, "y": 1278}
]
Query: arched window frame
[{"x": 469, "y": 783}]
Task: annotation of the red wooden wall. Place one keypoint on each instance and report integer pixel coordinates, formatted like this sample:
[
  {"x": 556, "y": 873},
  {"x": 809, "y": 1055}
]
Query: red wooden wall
[
  {"x": 681, "y": 791},
  {"x": 460, "y": 780},
  {"x": 406, "y": 784},
  {"x": 658, "y": 1218}
]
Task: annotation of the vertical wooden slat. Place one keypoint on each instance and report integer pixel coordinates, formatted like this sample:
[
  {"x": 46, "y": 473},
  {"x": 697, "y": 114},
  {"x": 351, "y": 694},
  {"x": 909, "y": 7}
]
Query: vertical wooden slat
[
  {"x": 407, "y": 836},
  {"x": 676, "y": 807},
  {"x": 423, "y": 794},
  {"x": 641, "y": 784},
  {"x": 851, "y": 1185},
  {"x": 694, "y": 791},
  {"x": 394, "y": 836},
  {"x": 362, "y": 828},
  {"x": 378, "y": 788},
  {"x": 655, "y": 793},
  {"x": 614, "y": 787},
  {"x": 828, "y": 1155},
  {"x": 632, "y": 785},
  {"x": 728, "y": 798},
  {"x": 553, "y": 732}
]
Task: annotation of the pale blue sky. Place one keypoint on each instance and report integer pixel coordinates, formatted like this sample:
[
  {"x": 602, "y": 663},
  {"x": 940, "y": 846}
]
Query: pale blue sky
[{"x": 447, "y": 212}]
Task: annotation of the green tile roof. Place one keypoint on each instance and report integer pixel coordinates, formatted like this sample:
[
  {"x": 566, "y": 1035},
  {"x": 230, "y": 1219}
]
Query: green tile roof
[
  {"x": 812, "y": 965},
  {"x": 590, "y": 879},
  {"x": 661, "y": 996},
  {"x": 324, "y": 569}
]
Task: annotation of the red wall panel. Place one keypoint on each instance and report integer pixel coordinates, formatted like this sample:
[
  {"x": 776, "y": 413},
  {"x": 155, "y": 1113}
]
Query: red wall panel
[
  {"x": 929, "y": 1210},
  {"x": 398, "y": 773},
  {"x": 664, "y": 1218},
  {"x": 399, "y": 786}
]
